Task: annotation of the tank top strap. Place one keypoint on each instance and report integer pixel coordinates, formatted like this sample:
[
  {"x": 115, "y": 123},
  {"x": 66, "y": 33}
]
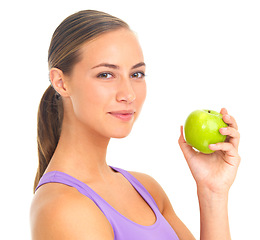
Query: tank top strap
[
  {"x": 139, "y": 187},
  {"x": 64, "y": 178}
]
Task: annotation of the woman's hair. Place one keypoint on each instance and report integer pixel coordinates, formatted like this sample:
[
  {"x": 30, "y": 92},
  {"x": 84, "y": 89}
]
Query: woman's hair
[{"x": 64, "y": 53}]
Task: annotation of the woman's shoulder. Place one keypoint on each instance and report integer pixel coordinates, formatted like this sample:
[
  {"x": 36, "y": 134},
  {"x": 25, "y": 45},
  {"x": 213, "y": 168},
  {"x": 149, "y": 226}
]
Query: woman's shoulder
[
  {"x": 153, "y": 187},
  {"x": 53, "y": 196},
  {"x": 58, "y": 210}
]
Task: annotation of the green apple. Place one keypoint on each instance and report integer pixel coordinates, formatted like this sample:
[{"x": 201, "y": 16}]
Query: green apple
[{"x": 202, "y": 128}]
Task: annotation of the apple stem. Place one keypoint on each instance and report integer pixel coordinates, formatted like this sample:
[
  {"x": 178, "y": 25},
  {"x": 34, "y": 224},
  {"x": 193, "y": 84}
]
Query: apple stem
[{"x": 209, "y": 111}]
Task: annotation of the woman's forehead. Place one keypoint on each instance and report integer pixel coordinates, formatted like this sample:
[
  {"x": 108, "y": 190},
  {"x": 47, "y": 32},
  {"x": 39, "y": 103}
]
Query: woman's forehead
[{"x": 112, "y": 47}]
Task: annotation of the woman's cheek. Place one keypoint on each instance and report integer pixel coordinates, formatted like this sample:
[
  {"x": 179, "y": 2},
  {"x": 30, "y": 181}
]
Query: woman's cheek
[{"x": 140, "y": 94}]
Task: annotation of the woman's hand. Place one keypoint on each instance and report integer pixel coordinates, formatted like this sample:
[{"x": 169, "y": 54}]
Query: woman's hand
[{"x": 217, "y": 171}]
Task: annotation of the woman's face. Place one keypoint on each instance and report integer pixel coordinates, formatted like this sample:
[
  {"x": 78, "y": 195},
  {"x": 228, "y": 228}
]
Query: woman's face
[{"x": 107, "y": 87}]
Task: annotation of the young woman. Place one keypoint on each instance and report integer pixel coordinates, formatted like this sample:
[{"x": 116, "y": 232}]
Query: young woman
[{"x": 97, "y": 75}]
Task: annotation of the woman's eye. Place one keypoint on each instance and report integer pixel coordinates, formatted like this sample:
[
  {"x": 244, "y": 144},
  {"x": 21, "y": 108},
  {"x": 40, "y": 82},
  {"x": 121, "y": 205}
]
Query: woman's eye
[
  {"x": 105, "y": 75},
  {"x": 138, "y": 75}
]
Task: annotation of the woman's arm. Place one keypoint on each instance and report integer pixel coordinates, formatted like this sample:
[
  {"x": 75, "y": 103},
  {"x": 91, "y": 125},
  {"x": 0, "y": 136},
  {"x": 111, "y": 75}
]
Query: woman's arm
[
  {"x": 214, "y": 174},
  {"x": 179, "y": 227},
  {"x": 214, "y": 223}
]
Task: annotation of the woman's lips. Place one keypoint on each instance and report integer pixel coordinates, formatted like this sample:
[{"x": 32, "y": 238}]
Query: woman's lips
[{"x": 123, "y": 115}]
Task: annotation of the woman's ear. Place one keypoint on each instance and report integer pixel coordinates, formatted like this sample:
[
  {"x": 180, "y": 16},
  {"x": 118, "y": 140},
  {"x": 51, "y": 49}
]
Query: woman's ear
[{"x": 57, "y": 79}]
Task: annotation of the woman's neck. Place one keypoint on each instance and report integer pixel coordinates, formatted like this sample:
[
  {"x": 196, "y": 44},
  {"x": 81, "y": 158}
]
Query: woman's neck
[{"x": 80, "y": 153}]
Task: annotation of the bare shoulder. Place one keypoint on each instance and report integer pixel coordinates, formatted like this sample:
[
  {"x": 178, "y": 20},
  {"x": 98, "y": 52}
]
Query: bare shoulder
[
  {"x": 61, "y": 212},
  {"x": 153, "y": 187}
]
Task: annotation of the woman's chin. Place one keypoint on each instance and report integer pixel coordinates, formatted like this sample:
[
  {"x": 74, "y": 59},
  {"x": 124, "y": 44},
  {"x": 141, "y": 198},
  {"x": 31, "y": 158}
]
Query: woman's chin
[{"x": 121, "y": 134}]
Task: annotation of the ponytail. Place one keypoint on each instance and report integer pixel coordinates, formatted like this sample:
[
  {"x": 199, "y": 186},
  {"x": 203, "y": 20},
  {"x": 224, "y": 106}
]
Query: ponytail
[
  {"x": 64, "y": 53},
  {"x": 50, "y": 115}
]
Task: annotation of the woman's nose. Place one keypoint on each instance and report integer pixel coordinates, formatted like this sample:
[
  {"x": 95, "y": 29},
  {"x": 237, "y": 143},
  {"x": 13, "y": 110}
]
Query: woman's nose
[{"x": 126, "y": 92}]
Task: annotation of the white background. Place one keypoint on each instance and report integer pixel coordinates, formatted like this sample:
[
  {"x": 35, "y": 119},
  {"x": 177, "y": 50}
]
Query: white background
[{"x": 200, "y": 54}]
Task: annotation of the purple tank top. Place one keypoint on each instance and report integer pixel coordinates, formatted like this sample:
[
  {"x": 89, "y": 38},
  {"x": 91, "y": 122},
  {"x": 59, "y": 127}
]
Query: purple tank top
[{"x": 124, "y": 229}]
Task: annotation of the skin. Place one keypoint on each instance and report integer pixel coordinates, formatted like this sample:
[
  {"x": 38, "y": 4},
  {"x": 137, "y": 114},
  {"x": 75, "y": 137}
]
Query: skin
[
  {"x": 214, "y": 174},
  {"x": 89, "y": 93}
]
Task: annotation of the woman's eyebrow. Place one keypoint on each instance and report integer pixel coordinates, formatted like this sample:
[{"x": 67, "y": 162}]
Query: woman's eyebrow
[
  {"x": 116, "y": 66},
  {"x": 106, "y": 65},
  {"x": 140, "y": 64}
]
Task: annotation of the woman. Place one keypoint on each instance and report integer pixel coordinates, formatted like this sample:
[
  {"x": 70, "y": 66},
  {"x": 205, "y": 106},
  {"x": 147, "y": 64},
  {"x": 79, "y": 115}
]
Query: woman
[{"x": 97, "y": 75}]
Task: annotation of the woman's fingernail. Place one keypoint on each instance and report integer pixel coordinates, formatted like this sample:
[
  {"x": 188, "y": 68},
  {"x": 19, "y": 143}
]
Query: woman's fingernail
[
  {"x": 223, "y": 129},
  {"x": 212, "y": 146},
  {"x": 227, "y": 116}
]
